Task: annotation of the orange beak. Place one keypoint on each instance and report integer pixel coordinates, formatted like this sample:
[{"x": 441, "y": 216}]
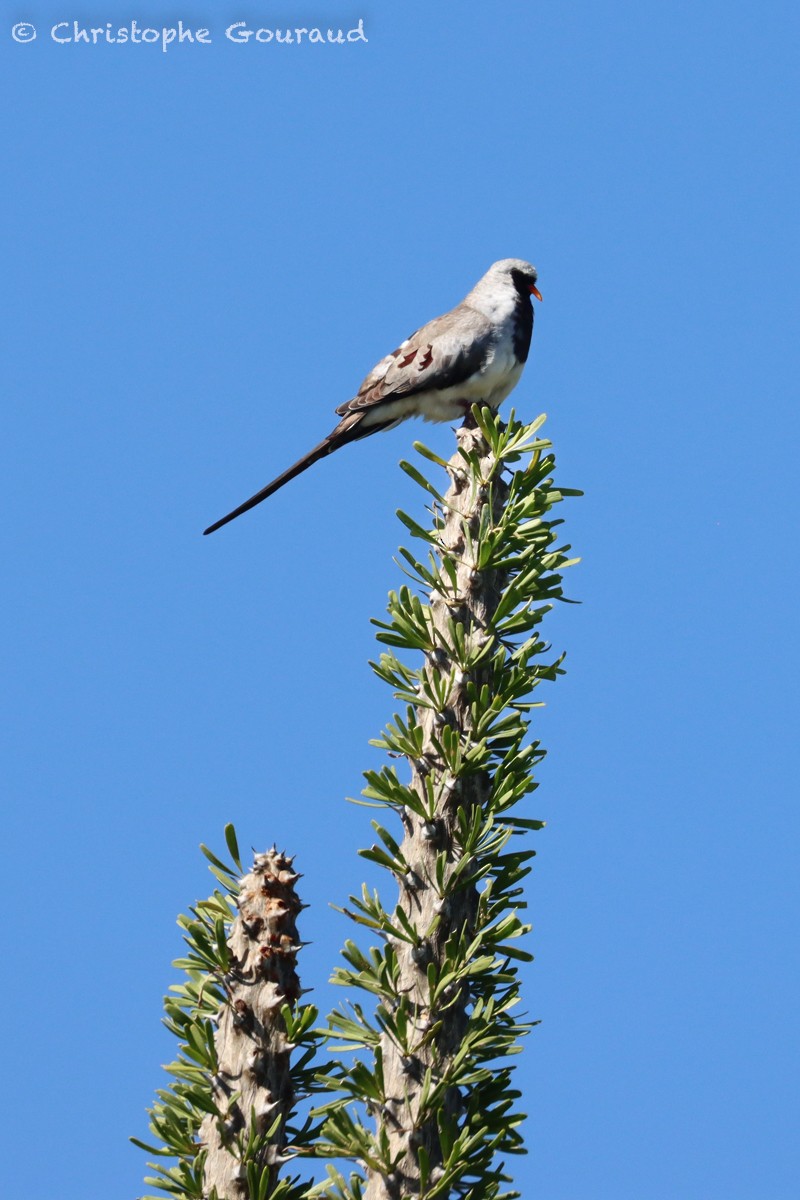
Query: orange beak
[{"x": 535, "y": 291}]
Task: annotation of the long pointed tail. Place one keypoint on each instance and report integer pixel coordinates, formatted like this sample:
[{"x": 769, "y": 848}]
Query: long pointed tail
[{"x": 339, "y": 437}]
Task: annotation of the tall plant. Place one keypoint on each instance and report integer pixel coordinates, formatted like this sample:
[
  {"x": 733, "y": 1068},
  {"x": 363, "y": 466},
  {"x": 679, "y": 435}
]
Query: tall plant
[{"x": 422, "y": 1099}]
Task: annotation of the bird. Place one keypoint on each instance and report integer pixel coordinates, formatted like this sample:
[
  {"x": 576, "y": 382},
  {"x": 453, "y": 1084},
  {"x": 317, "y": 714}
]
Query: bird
[{"x": 473, "y": 354}]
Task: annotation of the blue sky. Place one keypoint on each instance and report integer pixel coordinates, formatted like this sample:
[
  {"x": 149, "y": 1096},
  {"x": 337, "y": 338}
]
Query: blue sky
[{"x": 206, "y": 249}]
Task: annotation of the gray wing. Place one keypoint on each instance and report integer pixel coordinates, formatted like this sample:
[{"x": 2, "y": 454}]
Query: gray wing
[{"x": 442, "y": 354}]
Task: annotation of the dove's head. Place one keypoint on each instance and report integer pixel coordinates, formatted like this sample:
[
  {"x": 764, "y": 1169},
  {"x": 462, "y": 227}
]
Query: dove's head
[
  {"x": 516, "y": 273},
  {"x": 505, "y": 286}
]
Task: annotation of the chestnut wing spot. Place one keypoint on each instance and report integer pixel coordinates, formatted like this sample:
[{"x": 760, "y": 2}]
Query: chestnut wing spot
[
  {"x": 427, "y": 359},
  {"x": 409, "y": 358}
]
